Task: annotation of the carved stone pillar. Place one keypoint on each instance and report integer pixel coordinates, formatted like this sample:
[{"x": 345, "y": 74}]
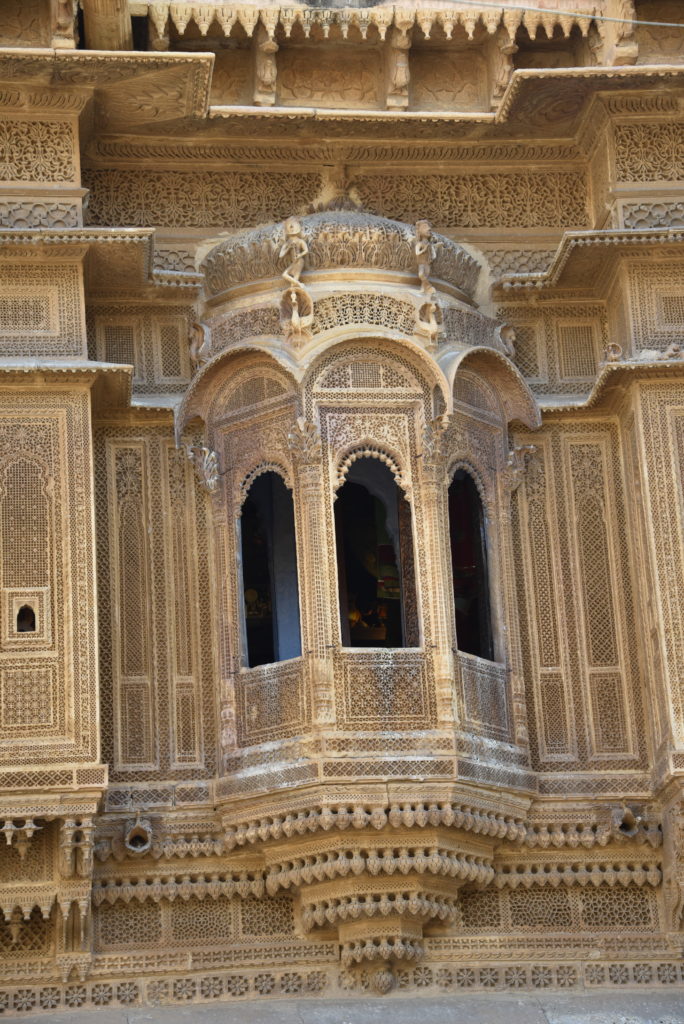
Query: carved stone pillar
[
  {"x": 227, "y": 613},
  {"x": 265, "y": 68},
  {"x": 314, "y": 557},
  {"x": 511, "y": 480},
  {"x": 439, "y": 595}
]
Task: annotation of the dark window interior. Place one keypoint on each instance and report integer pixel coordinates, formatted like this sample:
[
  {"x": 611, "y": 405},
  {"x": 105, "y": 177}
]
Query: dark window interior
[
  {"x": 26, "y": 619},
  {"x": 375, "y": 560},
  {"x": 269, "y": 572},
  {"x": 469, "y": 567}
]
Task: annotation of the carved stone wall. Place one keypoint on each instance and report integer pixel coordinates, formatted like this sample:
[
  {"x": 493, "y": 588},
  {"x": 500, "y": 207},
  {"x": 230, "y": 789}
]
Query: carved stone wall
[
  {"x": 579, "y": 645},
  {"x": 444, "y": 239},
  {"x": 48, "y": 677},
  {"x": 157, "y": 663}
]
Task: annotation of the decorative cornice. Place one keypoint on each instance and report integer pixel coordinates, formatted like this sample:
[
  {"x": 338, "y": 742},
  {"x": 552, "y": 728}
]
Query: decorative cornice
[{"x": 580, "y": 260}]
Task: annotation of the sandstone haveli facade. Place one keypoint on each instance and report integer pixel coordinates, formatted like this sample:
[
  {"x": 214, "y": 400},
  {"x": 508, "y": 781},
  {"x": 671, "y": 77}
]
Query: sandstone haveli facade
[{"x": 341, "y": 499}]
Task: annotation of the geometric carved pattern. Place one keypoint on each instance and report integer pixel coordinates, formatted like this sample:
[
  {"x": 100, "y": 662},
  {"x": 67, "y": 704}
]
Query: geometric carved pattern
[
  {"x": 141, "y": 198},
  {"x": 648, "y": 151},
  {"x": 47, "y": 676},
  {"x": 271, "y": 702},
  {"x": 153, "y": 340},
  {"x": 557, "y": 348},
  {"x": 657, "y": 299},
  {"x": 573, "y": 555},
  {"x": 156, "y": 672},
  {"x": 522, "y": 200},
  {"x": 41, "y": 309},
  {"x": 395, "y": 695},
  {"x": 37, "y": 151}
]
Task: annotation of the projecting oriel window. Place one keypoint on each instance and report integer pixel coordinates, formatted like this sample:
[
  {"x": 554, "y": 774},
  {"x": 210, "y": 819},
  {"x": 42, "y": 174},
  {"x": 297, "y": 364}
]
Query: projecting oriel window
[
  {"x": 375, "y": 562},
  {"x": 467, "y": 530},
  {"x": 269, "y": 573}
]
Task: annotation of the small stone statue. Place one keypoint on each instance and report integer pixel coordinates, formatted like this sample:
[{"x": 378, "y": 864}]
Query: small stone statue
[
  {"x": 426, "y": 253},
  {"x": 294, "y": 248},
  {"x": 296, "y": 304}
]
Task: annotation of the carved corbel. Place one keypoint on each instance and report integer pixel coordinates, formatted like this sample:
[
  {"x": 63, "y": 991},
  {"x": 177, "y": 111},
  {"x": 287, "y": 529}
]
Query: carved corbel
[
  {"x": 206, "y": 466},
  {"x": 265, "y": 67},
  {"x": 516, "y": 465},
  {"x": 304, "y": 441},
  {"x": 398, "y": 75},
  {"x": 158, "y": 15},
  {"x": 296, "y": 304},
  {"x": 433, "y": 442},
  {"x": 505, "y": 334},
  {"x": 199, "y": 345}
]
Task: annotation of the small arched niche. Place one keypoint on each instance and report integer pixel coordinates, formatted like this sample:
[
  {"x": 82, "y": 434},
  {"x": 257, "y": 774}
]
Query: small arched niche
[
  {"x": 375, "y": 559},
  {"x": 26, "y": 619},
  {"x": 470, "y": 571},
  {"x": 270, "y": 587}
]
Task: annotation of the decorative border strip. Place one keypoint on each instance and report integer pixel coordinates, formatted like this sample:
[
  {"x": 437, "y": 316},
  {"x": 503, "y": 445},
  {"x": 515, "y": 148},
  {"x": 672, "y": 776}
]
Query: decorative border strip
[{"x": 222, "y": 986}]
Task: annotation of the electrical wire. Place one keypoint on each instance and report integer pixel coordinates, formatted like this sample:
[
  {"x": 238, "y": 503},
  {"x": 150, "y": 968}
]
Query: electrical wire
[{"x": 567, "y": 14}]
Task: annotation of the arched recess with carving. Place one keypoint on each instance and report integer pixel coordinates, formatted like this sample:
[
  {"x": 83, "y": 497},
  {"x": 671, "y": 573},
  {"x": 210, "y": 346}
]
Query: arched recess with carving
[
  {"x": 373, "y": 368},
  {"x": 487, "y": 393},
  {"x": 375, "y": 552},
  {"x": 517, "y": 401},
  {"x": 248, "y": 403},
  {"x": 268, "y": 561},
  {"x": 216, "y": 377}
]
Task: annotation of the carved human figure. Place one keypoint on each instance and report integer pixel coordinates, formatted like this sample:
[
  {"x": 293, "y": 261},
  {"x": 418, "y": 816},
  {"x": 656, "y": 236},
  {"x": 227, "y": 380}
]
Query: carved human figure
[
  {"x": 426, "y": 252},
  {"x": 295, "y": 249}
]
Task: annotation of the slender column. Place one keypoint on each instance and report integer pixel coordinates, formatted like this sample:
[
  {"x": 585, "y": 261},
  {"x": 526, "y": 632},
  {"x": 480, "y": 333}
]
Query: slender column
[
  {"x": 107, "y": 25},
  {"x": 313, "y": 558},
  {"x": 439, "y": 595}
]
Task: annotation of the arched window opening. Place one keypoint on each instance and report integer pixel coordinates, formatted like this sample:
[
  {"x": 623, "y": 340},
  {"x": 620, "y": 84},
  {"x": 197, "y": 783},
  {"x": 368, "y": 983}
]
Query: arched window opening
[
  {"x": 269, "y": 572},
  {"x": 26, "y": 619},
  {"x": 469, "y": 567},
  {"x": 375, "y": 564}
]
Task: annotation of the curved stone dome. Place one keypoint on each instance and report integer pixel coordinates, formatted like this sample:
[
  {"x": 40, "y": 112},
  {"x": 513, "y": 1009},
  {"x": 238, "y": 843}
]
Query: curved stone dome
[{"x": 336, "y": 239}]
